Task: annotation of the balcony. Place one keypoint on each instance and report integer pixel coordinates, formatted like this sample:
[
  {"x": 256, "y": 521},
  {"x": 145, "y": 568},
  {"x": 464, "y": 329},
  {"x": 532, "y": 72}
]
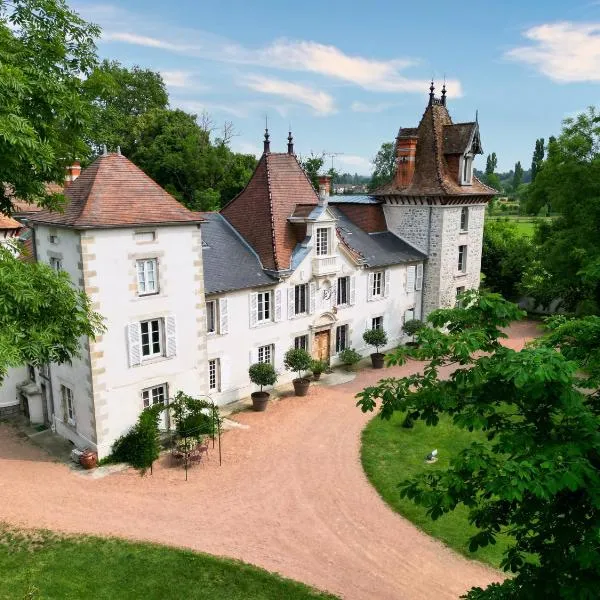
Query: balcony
[{"x": 325, "y": 265}]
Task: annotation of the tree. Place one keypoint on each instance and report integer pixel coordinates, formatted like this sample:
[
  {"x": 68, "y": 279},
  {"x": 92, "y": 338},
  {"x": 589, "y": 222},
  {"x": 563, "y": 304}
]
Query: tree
[
  {"x": 42, "y": 316},
  {"x": 312, "y": 165},
  {"x": 538, "y": 158},
  {"x": 491, "y": 163},
  {"x": 517, "y": 177},
  {"x": 537, "y": 477},
  {"x": 262, "y": 374},
  {"x": 384, "y": 165},
  {"x": 45, "y": 51},
  {"x": 375, "y": 337},
  {"x": 297, "y": 359}
]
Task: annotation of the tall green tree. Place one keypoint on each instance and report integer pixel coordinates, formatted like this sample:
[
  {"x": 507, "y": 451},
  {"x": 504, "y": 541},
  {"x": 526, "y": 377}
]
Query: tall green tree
[
  {"x": 537, "y": 478},
  {"x": 491, "y": 163},
  {"x": 518, "y": 176},
  {"x": 384, "y": 165},
  {"x": 45, "y": 51},
  {"x": 538, "y": 158},
  {"x": 312, "y": 165}
]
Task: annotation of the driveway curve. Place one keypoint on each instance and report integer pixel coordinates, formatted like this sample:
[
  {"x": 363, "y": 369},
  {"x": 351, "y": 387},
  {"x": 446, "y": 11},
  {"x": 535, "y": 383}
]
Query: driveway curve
[{"x": 291, "y": 497}]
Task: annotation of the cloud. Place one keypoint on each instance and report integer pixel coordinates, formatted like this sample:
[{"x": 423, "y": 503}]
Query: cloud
[
  {"x": 176, "y": 78},
  {"x": 371, "y": 108},
  {"x": 142, "y": 40},
  {"x": 320, "y": 102},
  {"x": 353, "y": 162},
  {"x": 198, "y": 108},
  {"x": 565, "y": 52}
]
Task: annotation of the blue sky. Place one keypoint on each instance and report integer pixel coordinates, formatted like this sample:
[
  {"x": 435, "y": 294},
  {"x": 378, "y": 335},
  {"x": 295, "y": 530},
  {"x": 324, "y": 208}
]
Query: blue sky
[{"x": 348, "y": 75}]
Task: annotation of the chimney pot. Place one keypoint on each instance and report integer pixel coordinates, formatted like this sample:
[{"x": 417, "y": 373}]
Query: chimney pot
[
  {"x": 324, "y": 183},
  {"x": 73, "y": 172}
]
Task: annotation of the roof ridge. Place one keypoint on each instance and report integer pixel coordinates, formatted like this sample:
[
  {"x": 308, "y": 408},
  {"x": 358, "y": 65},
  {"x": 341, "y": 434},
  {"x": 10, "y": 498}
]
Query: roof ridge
[
  {"x": 436, "y": 150},
  {"x": 307, "y": 177},
  {"x": 241, "y": 237},
  {"x": 273, "y": 244},
  {"x": 85, "y": 201}
]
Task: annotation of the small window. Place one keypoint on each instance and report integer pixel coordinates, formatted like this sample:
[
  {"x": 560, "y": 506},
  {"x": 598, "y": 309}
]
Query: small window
[
  {"x": 69, "y": 406},
  {"x": 377, "y": 323},
  {"x": 459, "y": 291},
  {"x": 214, "y": 378},
  {"x": 462, "y": 259},
  {"x": 301, "y": 341},
  {"x": 145, "y": 236},
  {"x": 56, "y": 263},
  {"x": 300, "y": 294},
  {"x": 377, "y": 283},
  {"x": 343, "y": 291},
  {"x": 154, "y": 395},
  {"x": 341, "y": 338},
  {"x": 53, "y": 239},
  {"x": 265, "y": 354},
  {"x": 211, "y": 316},
  {"x": 263, "y": 307},
  {"x": 147, "y": 281},
  {"x": 152, "y": 338},
  {"x": 322, "y": 241},
  {"x": 467, "y": 171},
  {"x": 464, "y": 219}
]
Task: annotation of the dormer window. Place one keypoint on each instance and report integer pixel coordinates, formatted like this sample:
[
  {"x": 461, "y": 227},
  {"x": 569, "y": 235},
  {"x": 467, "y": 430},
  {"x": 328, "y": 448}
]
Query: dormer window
[
  {"x": 467, "y": 170},
  {"x": 322, "y": 246}
]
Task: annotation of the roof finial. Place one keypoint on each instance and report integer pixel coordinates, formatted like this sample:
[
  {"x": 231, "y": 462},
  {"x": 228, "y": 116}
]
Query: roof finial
[
  {"x": 431, "y": 89},
  {"x": 119, "y": 150},
  {"x": 266, "y": 143},
  {"x": 290, "y": 141},
  {"x": 476, "y": 115},
  {"x": 444, "y": 91},
  {"x": 104, "y": 150}
]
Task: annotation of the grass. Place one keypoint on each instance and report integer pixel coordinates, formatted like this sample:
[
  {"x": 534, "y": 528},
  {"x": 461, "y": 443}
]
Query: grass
[
  {"x": 391, "y": 454},
  {"x": 39, "y": 564},
  {"x": 525, "y": 225}
]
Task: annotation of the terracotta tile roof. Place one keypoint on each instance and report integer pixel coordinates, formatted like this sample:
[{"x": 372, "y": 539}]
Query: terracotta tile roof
[
  {"x": 458, "y": 137},
  {"x": 433, "y": 176},
  {"x": 9, "y": 222},
  {"x": 261, "y": 210},
  {"x": 113, "y": 192}
]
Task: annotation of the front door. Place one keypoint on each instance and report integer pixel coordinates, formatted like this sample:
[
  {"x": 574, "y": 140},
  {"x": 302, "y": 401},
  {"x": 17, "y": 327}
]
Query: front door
[{"x": 321, "y": 345}]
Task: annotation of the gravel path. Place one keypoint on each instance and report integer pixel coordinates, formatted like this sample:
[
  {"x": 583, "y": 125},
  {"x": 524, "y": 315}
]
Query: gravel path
[{"x": 290, "y": 497}]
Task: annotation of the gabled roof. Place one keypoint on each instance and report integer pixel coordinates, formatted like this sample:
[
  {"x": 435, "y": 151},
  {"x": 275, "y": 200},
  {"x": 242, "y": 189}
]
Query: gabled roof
[
  {"x": 9, "y": 223},
  {"x": 113, "y": 192},
  {"x": 261, "y": 210},
  {"x": 459, "y": 138}
]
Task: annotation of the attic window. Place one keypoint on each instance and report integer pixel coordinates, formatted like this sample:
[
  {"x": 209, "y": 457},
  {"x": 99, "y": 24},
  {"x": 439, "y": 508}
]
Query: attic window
[
  {"x": 466, "y": 170},
  {"x": 145, "y": 236}
]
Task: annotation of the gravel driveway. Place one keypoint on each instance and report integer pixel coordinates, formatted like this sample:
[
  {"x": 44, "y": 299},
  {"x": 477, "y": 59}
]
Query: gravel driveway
[{"x": 290, "y": 497}]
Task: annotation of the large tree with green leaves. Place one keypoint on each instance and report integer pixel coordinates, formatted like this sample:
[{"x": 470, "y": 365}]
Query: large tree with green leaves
[
  {"x": 312, "y": 165},
  {"x": 45, "y": 51},
  {"x": 384, "y": 166},
  {"x": 517, "y": 177},
  {"x": 538, "y": 158},
  {"x": 537, "y": 478}
]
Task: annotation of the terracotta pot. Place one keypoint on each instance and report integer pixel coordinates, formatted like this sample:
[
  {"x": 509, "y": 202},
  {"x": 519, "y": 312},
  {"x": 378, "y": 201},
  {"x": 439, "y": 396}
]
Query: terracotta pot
[
  {"x": 377, "y": 360},
  {"x": 89, "y": 459},
  {"x": 316, "y": 376},
  {"x": 260, "y": 400},
  {"x": 301, "y": 386}
]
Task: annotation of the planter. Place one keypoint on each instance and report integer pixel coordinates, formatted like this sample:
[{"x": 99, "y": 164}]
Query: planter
[
  {"x": 316, "y": 376},
  {"x": 260, "y": 400},
  {"x": 89, "y": 459},
  {"x": 377, "y": 360},
  {"x": 301, "y": 386}
]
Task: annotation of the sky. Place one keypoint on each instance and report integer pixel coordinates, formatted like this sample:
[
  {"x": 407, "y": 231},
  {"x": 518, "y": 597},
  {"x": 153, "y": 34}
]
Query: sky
[{"x": 345, "y": 76}]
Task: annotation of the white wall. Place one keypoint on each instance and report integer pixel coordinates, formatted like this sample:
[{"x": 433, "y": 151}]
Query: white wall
[{"x": 9, "y": 396}]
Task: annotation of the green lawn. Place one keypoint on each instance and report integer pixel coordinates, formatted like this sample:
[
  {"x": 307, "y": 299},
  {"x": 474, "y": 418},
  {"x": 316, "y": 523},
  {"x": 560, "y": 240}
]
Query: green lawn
[
  {"x": 40, "y": 565},
  {"x": 390, "y": 454}
]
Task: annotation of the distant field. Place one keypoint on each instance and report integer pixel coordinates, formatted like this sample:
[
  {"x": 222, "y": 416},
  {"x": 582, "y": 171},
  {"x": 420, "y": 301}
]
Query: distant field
[{"x": 525, "y": 225}]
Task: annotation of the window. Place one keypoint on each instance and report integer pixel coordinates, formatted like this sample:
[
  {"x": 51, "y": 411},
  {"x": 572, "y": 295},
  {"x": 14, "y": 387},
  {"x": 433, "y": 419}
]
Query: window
[
  {"x": 377, "y": 284},
  {"x": 152, "y": 344},
  {"x": 377, "y": 323},
  {"x": 464, "y": 219},
  {"x": 343, "y": 290},
  {"x": 467, "y": 171},
  {"x": 145, "y": 236},
  {"x": 322, "y": 241},
  {"x": 265, "y": 354},
  {"x": 409, "y": 315},
  {"x": 56, "y": 263},
  {"x": 53, "y": 239},
  {"x": 462, "y": 259},
  {"x": 69, "y": 406},
  {"x": 300, "y": 293},
  {"x": 301, "y": 341},
  {"x": 214, "y": 378},
  {"x": 146, "y": 271},
  {"x": 211, "y": 316},
  {"x": 459, "y": 290},
  {"x": 263, "y": 306},
  {"x": 154, "y": 395},
  {"x": 341, "y": 338}
]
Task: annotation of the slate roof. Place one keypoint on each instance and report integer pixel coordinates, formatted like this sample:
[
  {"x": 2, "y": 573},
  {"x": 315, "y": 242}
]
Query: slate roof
[
  {"x": 113, "y": 192},
  {"x": 261, "y": 210},
  {"x": 457, "y": 137},
  {"x": 408, "y": 132},
  {"x": 229, "y": 262},
  {"x": 375, "y": 249},
  {"x": 353, "y": 199}
]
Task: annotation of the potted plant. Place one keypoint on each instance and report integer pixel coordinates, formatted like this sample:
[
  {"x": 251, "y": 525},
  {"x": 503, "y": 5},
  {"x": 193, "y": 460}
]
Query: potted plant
[
  {"x": 378, "y": 338},
  {"x": 411, "y": 328},
  {"x": 349, "y": 357},
  {"x": 261, "y": 374},
  {"x": 317, "y": 367},
  {"x": 298, "y": 359}
]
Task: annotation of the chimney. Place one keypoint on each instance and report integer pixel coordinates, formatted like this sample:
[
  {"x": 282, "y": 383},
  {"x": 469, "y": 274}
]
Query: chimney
[
  {"x": 406, "y": 151},
  {"x": 73, "y": 172},
  {"x": 324, "y": 181}
]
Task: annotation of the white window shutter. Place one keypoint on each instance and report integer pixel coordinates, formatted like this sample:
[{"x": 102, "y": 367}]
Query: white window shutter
[
  {"x": 352, "y": 290},
  {"x": 223, "y": 316},
  {"x": 312, "y": 292},
  {"x": 224, "y": 374},
  {"x": 253, "y": 309},
  {"x": 252, "y": 357},
  {"x": 410, "y": 279},
  {"x": 368, "y": 324},
  {"x": 134, "y": 339},
  {"x": 370, "y": 281},
  {"x": 386, "y": 284},
  {"x": 277, "y": 305},
  {"x": 171, "y": 335},
  {"x": 291, "y": 305},
  {"x": 334, "y": 289},
  {"x": 419, "y": 279}
]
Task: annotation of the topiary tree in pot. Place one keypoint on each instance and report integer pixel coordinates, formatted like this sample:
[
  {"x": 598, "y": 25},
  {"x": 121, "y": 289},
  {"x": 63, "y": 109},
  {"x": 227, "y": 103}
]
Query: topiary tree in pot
[
  {"x": 318, "y": 367},
  {"x": 261, "y": 374},
  {"x": 349, "y": 357},
  {"x": 378, "y": 338},
  {"x": 411, "y": 328},
  {"x": 299, "y": 360}
]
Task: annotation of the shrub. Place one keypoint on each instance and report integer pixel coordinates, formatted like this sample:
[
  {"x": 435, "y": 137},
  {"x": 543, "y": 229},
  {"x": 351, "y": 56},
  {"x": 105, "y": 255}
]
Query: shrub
[
  {"x": 349, "y": 356},
  {"x": 297, "y": 359},
  {"x": 375, "y": 337},
  {"x": 262, "y": 374},
  {"x": 412, "y": 327},
  {"x": 318, "y": 367},
  {"x": 192, "y": 417}
]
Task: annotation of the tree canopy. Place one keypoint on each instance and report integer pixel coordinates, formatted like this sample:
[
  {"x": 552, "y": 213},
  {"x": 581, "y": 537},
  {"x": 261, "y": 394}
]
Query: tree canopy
[
  {"x": 312, "y": 165},
  {"x": 537, "y": 478},
  {"x": 384, "y": 165}
]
